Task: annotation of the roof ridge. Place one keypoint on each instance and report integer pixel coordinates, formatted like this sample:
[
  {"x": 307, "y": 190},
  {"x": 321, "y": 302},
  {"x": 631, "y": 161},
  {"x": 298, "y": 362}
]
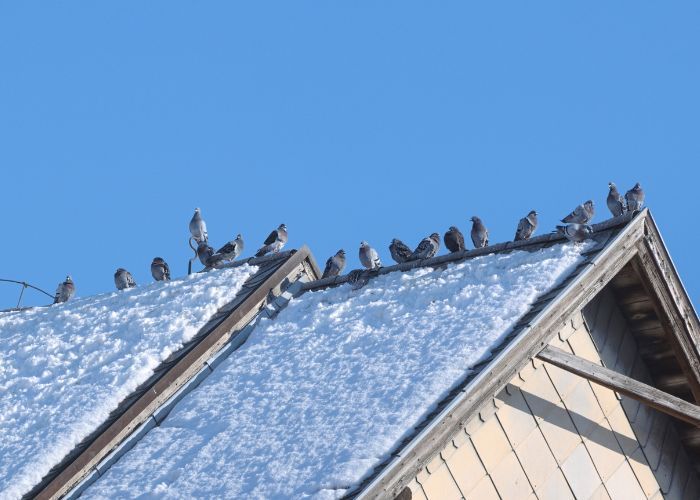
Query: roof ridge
[{"x": 362, "y": 275}]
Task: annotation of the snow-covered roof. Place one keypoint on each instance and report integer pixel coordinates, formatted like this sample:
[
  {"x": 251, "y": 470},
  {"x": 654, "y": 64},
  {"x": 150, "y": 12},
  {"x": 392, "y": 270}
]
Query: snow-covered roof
[
  {"x": 320, "y": 396},
  {"x": 64, "y": 368}
]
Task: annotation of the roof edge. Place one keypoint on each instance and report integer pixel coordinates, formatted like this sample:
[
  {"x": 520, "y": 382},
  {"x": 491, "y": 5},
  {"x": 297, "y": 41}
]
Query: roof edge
[{"x": 505, "y": 365}]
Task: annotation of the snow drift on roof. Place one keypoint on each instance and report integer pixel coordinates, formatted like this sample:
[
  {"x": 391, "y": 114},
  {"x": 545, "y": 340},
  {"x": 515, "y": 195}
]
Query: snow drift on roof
[
  {"x": 65, "y": 367},
  {"x": 320, "y": 395}
]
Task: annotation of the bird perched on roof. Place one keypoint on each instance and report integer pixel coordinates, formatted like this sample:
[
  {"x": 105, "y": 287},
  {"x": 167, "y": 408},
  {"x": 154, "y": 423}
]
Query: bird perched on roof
[
  {"x": 526, "y": 226},
  {"x": 399, "y": 251},
  {"x": 160, "y": 269},
  {"x": 274, "y": 242},
  {"x": 427, "y": 248},
  {"x": 581, "y": 214},
  {"x": 576, "y": 232},
  {"x": 635, "y": 198},
  {"x": 123, "y": 279},
  {"x": 454, "y": 240},
  {"x": 480, "y": 235},
  {"x": 334, "y": 264},
  {"x": 198, "y": 228},
  {"x": 616, "y": 203},
  {"x": 205, "y": 254},
  {"x": 369, "y": 256},
  {"x": 232, "y": 249},
  {"x": 64, "y": 291}
]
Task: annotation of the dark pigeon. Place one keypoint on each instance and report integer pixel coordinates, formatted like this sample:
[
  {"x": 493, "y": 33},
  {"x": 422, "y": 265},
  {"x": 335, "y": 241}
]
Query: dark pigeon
[
  {"x": 399, "y": 251},
  {"x": 526, "y": 226},
  {"x": 334, "y": 264},
  {"x": 205, "y": 253},
  {"x": 369, "y": 256},
  {"x": 454, "y": 240},
  {"x": 479, "y": 234},
  {"x": 581, "y": 214},
  {"x": 198, "y": 228},
  {"x": 274, "y": 242},
  {"x": 232, "y": 249},
  {"x": 65, "y": 291},
  {"x": 427, "y": 248},
  {"x": 635, "y": 198},
  {"x": 160, "y": 269},
  {"x": 123, "y": 279},
  {"x": 576, "y": 232},
  {"x": 615, "y": 201}
]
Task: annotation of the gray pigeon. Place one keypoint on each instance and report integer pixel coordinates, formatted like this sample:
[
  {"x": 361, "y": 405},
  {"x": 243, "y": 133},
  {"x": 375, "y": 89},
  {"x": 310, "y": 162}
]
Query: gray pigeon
[
  {"x": 454, "y": 240},
  {"x": 334, "y": 264},
  {"x": 232, "y": 249},
  {"x": 581, "y": 214},
  {"x": 427, "y": 248},
  {"x": 635, "y": 198},
  {"x": 160, "y": 269},
  {"x": 399, "y": 251},
  {"x": 64, "y": 291},
  {"x": 274, "y": 242},
  {"x": 369, "y": 256},
  {"x": 123, "y": 279},
  {"x": 206, "y": 254},
  {"x": 526, "y": 226},
  {"x": 615, "y": 201},
  {"x": 198, "y": 227},
  {"x": 576, "y": 232},
  {"x": 480, "y": 235}
]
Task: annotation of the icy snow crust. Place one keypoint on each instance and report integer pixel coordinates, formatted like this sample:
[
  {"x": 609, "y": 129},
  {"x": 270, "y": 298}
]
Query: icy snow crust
[
  {"x": 65, "y": 367},
  {"x": 321, "y": 394}
]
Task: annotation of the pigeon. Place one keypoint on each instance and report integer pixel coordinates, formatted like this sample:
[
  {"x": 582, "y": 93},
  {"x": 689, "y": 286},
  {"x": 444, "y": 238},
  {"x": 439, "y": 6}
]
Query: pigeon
[
  {"x": 123, "y": 279},
  {"x": 616, "y": 203},
  {"x": 635, "y": 198},
  {"x": 480, "y": 235},
  {"x": 64, "y": 291},
  {"x": 399, "y": 251},
  {"x": 232, "y": 249},
  {"x": 576, "y": 232},
  {"x": 369, "y": 256},
  {"x": 526, "y": 226},
  {"x": 427, "y": 248},
  {"x": 274, "y": 242},
  {"x": 581, "y": 214},
  {"x": 198, "y": 227},
  {"x": 454, "y": 240},
  {"x": 334, "y": 264},
  {"x": 160, "y": 270},
  {"x": 205, "y": 254}
]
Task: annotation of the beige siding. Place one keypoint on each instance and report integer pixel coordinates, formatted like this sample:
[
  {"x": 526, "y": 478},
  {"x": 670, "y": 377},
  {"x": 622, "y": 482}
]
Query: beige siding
[{"x": 552, "y": 435}]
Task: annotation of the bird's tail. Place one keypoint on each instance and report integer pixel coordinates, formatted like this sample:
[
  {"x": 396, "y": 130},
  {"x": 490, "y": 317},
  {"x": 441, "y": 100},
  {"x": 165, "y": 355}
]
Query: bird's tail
[{"x": 263, "y": 250}]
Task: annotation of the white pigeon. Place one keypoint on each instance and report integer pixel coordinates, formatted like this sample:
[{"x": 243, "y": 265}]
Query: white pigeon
[
  {"x": 198, "y": 228},
  {"x": 369, "y": 256}
]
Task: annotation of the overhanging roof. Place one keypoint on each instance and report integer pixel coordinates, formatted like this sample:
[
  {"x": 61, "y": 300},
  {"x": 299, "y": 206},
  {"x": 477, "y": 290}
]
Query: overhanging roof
[{"x": 622, "y": 242}]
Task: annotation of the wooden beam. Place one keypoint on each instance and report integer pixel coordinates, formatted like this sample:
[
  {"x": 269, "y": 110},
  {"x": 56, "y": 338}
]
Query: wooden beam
[{"x": 646, "y": 394}]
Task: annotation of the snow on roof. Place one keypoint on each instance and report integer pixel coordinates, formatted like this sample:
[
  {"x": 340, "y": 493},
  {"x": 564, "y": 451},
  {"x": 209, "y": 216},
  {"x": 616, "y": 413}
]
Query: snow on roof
[
  {"x": 321, "y": 394},
  {"x": 64, "y": 368}
]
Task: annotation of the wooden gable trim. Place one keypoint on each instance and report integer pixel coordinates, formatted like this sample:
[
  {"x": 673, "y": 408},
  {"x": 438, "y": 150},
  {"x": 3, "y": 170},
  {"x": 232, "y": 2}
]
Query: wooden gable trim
[
  {"x": 646, "y": 394},
  {"x": 673, "y": 307}
]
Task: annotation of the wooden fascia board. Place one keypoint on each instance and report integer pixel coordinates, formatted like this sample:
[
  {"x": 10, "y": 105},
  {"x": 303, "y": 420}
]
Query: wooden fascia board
[
  {"x": 173, "y": 379},
  {"x": 507, "y": 363},
  {"x": 671, "y": 301}
]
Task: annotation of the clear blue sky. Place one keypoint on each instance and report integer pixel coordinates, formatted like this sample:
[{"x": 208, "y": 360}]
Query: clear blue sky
[{"x": 347, "y": 121}]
